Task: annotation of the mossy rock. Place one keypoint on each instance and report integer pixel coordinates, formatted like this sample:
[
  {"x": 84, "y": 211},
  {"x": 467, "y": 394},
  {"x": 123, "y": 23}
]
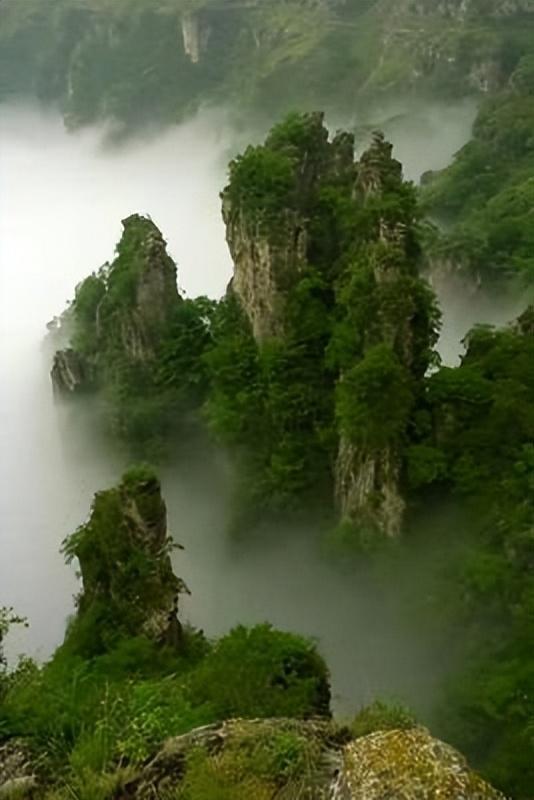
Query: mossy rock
[{"x": 410, "y": 765}]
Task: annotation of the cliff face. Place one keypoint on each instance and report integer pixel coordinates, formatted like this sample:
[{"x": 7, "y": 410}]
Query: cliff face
[
  {"x": 69, "y": 372},
  {"x": 129, "y": 587},
  {"x": 195, "y": 33},
  {"x": 265, "y": 267},
  {"x": 119, "y": 314}
]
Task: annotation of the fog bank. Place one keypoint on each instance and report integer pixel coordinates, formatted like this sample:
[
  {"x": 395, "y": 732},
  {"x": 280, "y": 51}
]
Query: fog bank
[{"x": 62, "y": 198}]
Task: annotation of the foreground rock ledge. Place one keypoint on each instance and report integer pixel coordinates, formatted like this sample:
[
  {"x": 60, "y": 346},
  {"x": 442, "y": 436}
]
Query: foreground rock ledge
[{"x": 389, "y": 765}]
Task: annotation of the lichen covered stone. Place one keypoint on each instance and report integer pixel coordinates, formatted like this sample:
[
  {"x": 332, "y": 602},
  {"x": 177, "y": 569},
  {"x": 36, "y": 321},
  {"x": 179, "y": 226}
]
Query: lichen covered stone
[{"x": 410, "y": 765}]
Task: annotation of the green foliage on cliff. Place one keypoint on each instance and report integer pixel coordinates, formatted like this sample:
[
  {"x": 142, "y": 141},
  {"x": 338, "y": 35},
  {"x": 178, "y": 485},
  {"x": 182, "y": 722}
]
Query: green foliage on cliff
[
  {"x": 272, "y": 407},
  {"x": 489, "y": 447},
  {"x": 123, "y": 555},
  {"x": 141, "y": 343},
  {"x": 485, "y": 197},
  {"x": 282, "y": 675},
  {"x": 364, "y": 398},
  {"x": 257, "y": 763}
]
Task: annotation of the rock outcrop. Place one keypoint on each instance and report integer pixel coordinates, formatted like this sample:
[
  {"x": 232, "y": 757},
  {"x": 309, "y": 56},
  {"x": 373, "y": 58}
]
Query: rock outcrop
[
  {"x": 18, "y": 778},
  {"x": 119, "y": 314},
  {"x": 318, "y": 760},
  {"x": 129, "y": 587},
  {"x": 367, "y": 473},
  {"x": 156, "y": 292},
  {"x": 69, "y": 372},
  {"x": 412, "y": 765}
]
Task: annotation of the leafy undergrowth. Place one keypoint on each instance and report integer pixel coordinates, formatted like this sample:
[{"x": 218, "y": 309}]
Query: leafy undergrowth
[{"x": 89, "y": 722}]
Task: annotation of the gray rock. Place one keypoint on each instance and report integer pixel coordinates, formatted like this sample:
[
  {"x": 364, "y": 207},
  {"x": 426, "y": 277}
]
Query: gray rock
[
  {"x": 17, "y": 775},
  {"x": 69, "y": 372}
]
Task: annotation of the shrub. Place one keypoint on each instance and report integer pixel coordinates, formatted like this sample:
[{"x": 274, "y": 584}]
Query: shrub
[{"x": 260, "y": 672}]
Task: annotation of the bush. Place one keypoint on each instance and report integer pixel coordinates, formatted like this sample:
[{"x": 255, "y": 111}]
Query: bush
[{"x": 261, "y": 672}]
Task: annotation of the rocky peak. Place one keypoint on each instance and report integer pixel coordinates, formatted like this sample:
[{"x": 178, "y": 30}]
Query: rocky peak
[
  {"x": 123, "y": 553},
  {"x": 128, "y": 303},
  {"x": 156, "y": 292},
  {"x": 368, "y": 473},
  {"x": 266, "y": 209},
  {"x": 377, "y": 169},
  {"x": 288, "y": 210}
]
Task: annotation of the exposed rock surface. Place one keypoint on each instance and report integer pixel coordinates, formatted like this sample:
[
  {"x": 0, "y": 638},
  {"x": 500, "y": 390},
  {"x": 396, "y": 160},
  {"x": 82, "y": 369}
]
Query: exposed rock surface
[
  {"x": 195, "y": 35},
  {"x": 69, "y": 372},
  {"x": 156, "y": 291},
  {"x": 17, "y": 774},
  {"x": 367, "y": 488},
  {"x": 409, "y": 764}
]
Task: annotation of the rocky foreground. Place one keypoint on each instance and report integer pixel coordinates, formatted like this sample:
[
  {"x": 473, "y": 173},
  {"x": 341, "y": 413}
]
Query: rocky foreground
[{"x": 284, "y": 758}]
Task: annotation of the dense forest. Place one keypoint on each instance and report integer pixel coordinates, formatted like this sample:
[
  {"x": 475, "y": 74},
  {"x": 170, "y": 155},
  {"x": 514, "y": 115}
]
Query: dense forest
[{"x": 318, "y": 375}]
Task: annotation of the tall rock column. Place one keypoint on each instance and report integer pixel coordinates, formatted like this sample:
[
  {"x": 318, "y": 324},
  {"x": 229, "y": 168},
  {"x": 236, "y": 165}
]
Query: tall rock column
[
  {"x": 129, "y": 587},
  {"x": 389, "y": 323}
]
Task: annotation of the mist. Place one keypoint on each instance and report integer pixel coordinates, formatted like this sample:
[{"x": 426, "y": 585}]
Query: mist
[
  {"x": 426, "y": 135},
  {"x": 62, "y": 197}
]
